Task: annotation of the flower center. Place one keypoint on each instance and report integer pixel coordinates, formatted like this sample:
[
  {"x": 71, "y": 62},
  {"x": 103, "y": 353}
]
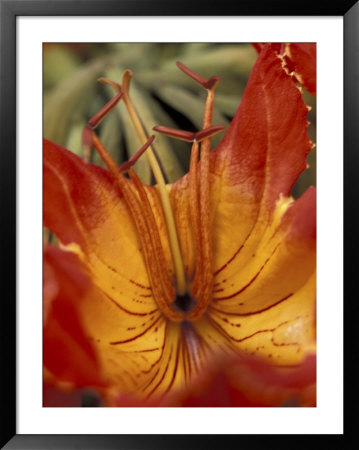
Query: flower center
[
  {"x": 172, "y": 297},
  {"x": 184, "y": 303}
]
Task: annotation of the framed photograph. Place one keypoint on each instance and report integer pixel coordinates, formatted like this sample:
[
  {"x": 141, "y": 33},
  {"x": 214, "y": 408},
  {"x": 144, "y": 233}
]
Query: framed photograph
[{"x": 175, "y": 184}]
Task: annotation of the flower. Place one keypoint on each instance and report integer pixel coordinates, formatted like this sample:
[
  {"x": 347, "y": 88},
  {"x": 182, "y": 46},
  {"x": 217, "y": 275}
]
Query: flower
[{"x": 158, "y": 287}]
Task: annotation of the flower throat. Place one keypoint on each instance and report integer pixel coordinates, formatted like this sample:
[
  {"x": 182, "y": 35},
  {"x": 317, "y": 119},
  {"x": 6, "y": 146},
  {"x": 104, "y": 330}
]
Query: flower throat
[{"x": 179, "y": 299}]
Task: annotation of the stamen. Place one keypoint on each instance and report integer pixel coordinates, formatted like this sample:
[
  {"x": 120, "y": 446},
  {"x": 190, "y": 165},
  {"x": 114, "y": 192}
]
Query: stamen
[
  {"x": 199, "y": 204},
  {"x": 207, "y": 84},
  {"x": 92, "y": 123},
  {"x": 190, "y": 73},
  {"x": 203, "y": 279},
  {"x": 188, "y": 136},
  {"x": 181, "y": 285},
  {"x": 124, "y": 167},
  {"x": 208, "y": 132},
  {"x": 143, "y": 224},
  {"x": 86, "y": 142},
  {"x": 113, "y": 84},
  {"x": 155, "y": 237},
  {"x": 194, "y": 202},
  {"x": 97, "y": 118},
  {"x": 178, "y": 134}
]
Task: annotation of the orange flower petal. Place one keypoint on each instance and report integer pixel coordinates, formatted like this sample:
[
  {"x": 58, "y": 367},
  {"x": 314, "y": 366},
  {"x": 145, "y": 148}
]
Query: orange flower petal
[
  {"x": 280, "y": 264},
  {"x": 68, "y": 354},
  {"x": 85, "y": 209},
  {"x": 263, "y": 242},
  {"x": 256, "y": 164}
]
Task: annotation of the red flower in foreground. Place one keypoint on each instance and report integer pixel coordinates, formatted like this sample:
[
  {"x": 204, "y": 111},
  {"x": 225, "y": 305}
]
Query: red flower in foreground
[{"x": 201, "y": 293}]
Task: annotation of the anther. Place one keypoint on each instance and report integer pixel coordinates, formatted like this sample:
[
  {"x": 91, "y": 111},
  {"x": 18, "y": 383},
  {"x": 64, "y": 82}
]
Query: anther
[
  {"x": 87, "y": 137},
  {"x": 97, "y": 118},
  {"x": 208, "y": 132},
  {"x": 124, "y": 167},
  {"x": 113, "y": 84},
  {"x": 207, "y": 84},
  {"x": 188, "y": 136}
]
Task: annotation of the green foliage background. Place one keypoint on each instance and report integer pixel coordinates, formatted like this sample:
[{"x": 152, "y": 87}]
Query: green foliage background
[{"x": 163, "y": 95}]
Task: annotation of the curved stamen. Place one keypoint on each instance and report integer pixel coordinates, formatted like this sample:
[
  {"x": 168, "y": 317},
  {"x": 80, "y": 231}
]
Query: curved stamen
[
  {"x": 199, "y": 204},
  {"x": 181, "y": 284},
  {"x": 97, "y": 118},
  {"x": 139, "y": 212},
  {"x": 188, "y": 136},
  {"x": 207, "y": 84},
  {"x": 155, "y": 237},
  {"x": 92, "y": 123},
  {"x": 125, "y": 166},
  {"x": 194, "y": 202},
  {"x": 203, "y": 279}
]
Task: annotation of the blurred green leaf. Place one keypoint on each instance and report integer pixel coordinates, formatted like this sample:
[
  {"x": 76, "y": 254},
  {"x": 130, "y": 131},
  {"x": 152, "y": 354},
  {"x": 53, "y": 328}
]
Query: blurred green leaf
[
  {"x": 227, "y": 103},
  {"x": 59, "y": 62},
  {"x": 73, "y": 142},
  {"x": 110, "y": 134},
  {"x": 69, "y": 99}
]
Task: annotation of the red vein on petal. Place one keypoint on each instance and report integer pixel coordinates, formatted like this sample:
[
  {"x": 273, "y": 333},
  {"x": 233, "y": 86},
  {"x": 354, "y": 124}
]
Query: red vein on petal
[
  {"x": 174, "y": 370},
  {"x": 140, "y": 285},
  {"x": 226, "y": 334},
  {"x": 155, "y": 363},
  {"x": 253, "y": 312},
  {"x": 139, "y": 335},
  {"x": 163, "y": 375},
  {"x": 132, "y": 313},
  {"x": 250, "y": 282},
  {"x": 184, "y": 361},
  {"x": 232, "y": 257}
]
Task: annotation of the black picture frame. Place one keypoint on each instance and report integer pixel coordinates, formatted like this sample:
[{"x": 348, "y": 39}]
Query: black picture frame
[{"x": 9, "y": 11}]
